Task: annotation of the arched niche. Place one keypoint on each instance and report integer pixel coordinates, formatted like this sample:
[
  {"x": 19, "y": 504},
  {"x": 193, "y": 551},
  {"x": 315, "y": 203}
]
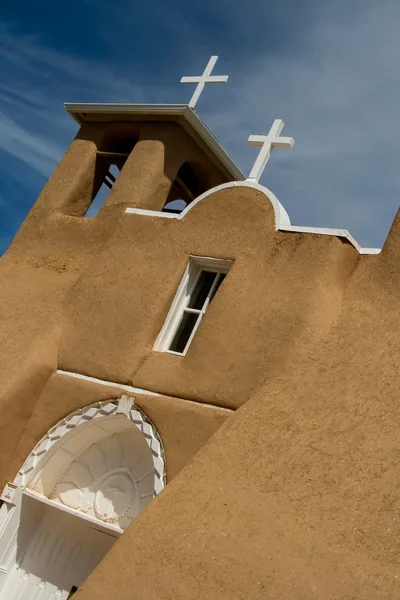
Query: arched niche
[{"x": 77, "y": 491}]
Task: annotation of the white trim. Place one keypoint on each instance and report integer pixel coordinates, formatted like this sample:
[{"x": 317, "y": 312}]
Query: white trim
[
  {"x": 8, "y": 494},
  {"x": 82, "y": 416},
  {"x": 181, "y": 113},
  {"x": 281, "y": 216},
  {"x": 122, "y": 386},
  {"x": 195, "y": 266},
  {"x": 331, "y": 231},
  {"x": 100, "y": 524},
  {"x": 137, "y": 391},
  {"x": 153, "y": 213},
  {"x": 282, "y": 220},
  {"x": 144, "y": 212},
  {"x": 218, "y": 265}
]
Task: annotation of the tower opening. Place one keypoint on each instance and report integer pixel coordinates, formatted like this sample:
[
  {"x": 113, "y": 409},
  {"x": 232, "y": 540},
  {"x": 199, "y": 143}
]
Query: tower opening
[
  {"x": 187, "y": 186},
  {"x": 109, "y": 162}
]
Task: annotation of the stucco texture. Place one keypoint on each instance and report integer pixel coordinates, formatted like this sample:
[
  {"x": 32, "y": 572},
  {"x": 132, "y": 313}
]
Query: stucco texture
[
  {"x": 184, "y": 427},
  {"x": 56, "y": 246},
  {"x": 252, "y": 327},
  {"x": 296, "y": 494}
]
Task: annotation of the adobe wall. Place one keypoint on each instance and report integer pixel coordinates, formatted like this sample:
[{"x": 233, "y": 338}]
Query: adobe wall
[
  {"x": 253, "y": 325},
  {"x": 100, "y": 315},
  {"x": 183, "y": 426},
  {"x": 56, "y": 245},
  {"x": 297, "y": 495},
  {"x": 55, "y": 235}
]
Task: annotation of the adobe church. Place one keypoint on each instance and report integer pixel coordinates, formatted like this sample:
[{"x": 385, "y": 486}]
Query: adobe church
[{"x": 199, "y": 399}]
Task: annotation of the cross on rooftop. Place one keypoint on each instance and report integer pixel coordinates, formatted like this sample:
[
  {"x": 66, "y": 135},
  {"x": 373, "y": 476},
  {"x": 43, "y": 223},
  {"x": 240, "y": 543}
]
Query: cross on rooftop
[
  {"x": 267, "y": 142},
  {"x": 201, "y": 80}
]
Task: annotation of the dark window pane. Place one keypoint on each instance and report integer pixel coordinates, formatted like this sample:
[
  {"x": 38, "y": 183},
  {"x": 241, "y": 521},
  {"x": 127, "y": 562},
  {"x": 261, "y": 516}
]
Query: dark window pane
[
  {"x": 220, "y": 280},
  {"x": 183, "y": 332},
  {"x": 202, "y": 287}
]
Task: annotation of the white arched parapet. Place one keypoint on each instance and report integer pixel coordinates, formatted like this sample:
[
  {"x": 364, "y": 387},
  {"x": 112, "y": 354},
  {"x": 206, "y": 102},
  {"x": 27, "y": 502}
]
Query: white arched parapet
[
  {"x": 282, "y": 220},
  {"x": 281, "y": 216}
]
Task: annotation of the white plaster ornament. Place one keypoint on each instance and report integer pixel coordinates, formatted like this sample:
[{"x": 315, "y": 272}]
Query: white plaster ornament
[
  {"x": 107, "y": 481},
  {"x": 95, "y": 412},
  {"x": 201, "y": 80},
  {"x": 267, "y": 142}
]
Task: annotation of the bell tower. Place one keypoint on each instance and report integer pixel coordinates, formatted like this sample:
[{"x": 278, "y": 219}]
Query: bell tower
[
  {"x": 161, "y": 152},
  {"x": 151, "y": 157}
]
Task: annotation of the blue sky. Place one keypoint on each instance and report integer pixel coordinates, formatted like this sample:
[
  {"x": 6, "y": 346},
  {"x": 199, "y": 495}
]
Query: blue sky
[{"x": 330, "y": 70}]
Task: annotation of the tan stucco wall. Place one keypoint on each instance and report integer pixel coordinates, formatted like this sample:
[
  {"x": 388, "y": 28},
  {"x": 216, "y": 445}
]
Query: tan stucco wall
[
  {"x": 31, "y": 313},
  {"x": 252, "y": 328},
  {"x": 296, "y": 495},
  {"x": 184, "y": 427},
  {"x": 56, "y": 246}
]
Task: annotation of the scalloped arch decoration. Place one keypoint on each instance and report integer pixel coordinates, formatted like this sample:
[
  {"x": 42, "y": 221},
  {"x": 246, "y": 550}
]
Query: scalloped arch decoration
[{"x": 83, "y": 416}]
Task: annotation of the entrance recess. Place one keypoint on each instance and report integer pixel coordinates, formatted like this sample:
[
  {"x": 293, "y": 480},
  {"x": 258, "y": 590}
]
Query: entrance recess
[{"x": 78, "y": 490}]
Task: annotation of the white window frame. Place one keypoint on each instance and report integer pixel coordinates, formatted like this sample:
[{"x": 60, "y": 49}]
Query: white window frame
[{"x": 179, "y": 305}]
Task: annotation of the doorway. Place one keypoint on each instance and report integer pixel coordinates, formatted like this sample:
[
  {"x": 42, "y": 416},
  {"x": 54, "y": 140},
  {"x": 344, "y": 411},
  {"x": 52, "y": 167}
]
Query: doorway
[
  {"x": 55, "y": 552},
  {"x": 78, "y": 490}
]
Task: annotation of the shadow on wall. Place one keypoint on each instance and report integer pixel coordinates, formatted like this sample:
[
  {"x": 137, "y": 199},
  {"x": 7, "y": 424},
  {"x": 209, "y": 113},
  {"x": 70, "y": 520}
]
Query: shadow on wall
[
  {"x": 190, "y": 182},
  {"x": 109, "y": 163}
]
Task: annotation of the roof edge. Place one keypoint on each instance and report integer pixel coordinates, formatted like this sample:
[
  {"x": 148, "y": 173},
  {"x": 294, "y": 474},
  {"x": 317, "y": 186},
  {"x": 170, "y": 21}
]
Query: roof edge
[{"x": 177, "y": 110}]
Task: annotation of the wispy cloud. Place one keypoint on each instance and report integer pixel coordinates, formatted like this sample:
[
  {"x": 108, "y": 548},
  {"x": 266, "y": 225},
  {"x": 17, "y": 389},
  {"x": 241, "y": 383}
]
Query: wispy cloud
[
  {"x": 38, "y": 80},
  {"x": 339, "y": 98},
  {"x": 41, "y": 154}
]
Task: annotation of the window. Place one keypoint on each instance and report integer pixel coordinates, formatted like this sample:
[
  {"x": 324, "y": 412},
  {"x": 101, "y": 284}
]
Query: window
[{"x": 200, "y": 283}]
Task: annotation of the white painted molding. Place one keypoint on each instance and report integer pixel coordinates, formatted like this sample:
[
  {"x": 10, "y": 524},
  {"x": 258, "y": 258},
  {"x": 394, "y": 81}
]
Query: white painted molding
[
  {"x": 122, "y": 386},
  {"x": 281, "y": 216},
  {"x": 8, "y": 494},
  {"x": 331, "y": 231},
  {"x": 137, "y": 391},
  {"x": 182, "y": 299},
  {"x": 100, "y": 525},
  {"x": 82, "y": 416},
  {"x": 111, "y": 480},
  {"x": 282, "y": 220}
]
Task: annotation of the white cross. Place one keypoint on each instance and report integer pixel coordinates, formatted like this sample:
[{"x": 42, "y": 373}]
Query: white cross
[
  {"x": 267, "y": 142},
  {"x": 201, "y": 80}
]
